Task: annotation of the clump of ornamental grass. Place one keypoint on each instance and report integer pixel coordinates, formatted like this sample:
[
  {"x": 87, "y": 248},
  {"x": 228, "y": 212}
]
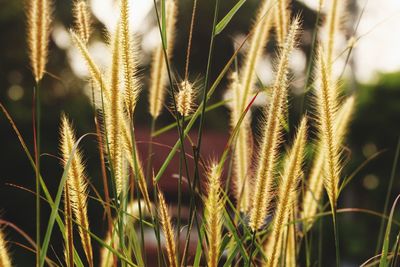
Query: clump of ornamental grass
[
  {"x": 158, "y": 77},
  {"x": 39, "y": 18},
  {"x": 287, "y": 195},
  {"x": 314, "y": 186},
  {"x": 213, "y": 215},
  {"x": 76, "y": 184},
  {"x": 5, "y": 260},
  {"x": 264, "y": 178}
]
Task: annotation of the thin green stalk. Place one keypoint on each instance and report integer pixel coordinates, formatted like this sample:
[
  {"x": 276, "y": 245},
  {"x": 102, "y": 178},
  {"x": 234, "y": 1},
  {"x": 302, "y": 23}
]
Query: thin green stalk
[
  {"x": 180, "y": 192},
  {"x": 388, "y": 193},
  {"x": 336, "y": 233},
  {"x": 36, "y": 134},
  {"x": 252, "y": 246},
  {"x": 150, "y": 149}
]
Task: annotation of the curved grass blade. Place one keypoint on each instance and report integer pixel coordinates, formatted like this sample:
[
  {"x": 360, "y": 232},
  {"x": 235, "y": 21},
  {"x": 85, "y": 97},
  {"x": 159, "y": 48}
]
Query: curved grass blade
[{"x": 225, "y": 21}]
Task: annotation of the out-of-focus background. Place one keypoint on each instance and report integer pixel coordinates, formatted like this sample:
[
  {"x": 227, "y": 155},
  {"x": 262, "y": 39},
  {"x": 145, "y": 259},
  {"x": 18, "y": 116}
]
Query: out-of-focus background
[{"x": 372, "y": 73}]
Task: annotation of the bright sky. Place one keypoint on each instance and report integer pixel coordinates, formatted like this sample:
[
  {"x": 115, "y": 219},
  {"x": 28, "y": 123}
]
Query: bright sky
[{"x": 378, "y": 50}]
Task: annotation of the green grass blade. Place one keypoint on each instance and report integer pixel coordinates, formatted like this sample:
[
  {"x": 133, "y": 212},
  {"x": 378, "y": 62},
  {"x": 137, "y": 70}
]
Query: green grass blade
[
  {"x": 385, "y": 249},
  {"x": 225, "y": 21}
]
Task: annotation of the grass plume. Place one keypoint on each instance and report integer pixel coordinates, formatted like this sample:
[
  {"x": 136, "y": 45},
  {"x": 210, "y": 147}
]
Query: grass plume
[
  {"x": 39, "y": 18},
  {"x": 5, "y": 260},
  {"x": 287, "y": 194},
  {"x": 185, "y": 98},
  {"x": 263, "y": 192},
  {"x": 76, "y": 181},
  {"x": 82, "y": 19},
  {"x": 128, "y": 61},
  {"x": 281, "y": 20},
  {"x": 168, "y": 231},
  {"x": 315, "y": 183},
  {"x": 258, "y": 42},
  {"x": 214, "y": 215},
  {"x": 243, "y": 146},
  {"x": 159, "y": 73},
  {"x": 326, "y": 100}
]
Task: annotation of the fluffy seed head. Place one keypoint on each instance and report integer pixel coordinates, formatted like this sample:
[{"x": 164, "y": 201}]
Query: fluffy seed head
[
  {"x": 184, "y": 98},
  {"x": 271, "y": 132},
  {"x": 129, "y": 61},
  {"x": 243, "y": 145},
  {"x": 82, "y": 19},
  {"x": 168, "y": 231},
  {"x": 5, "y": 260},
  {"x": 315, "y": 186},
  {"x": 287, "y": 194},
  {"x": 214, "y": 215},
  {"x": 326, "y": 100},
  {"x": 258, "y": 41},
  {"x": 281, "y": 20},
  {"x": 38, "y": 35},
  {"x": 159, "y": 73},
  {"x": 77, "y": 184}
]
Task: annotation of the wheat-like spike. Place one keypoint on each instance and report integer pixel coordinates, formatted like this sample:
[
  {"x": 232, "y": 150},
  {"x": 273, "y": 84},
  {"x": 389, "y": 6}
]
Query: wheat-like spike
[
  {"x": 76, "y": 181},
  {"x": 94, "y": 70},
  {"x": 39, "y": 19},
  {"x": 243, "y": 146},
  {"x": 332, "y": 27},
  {"x": 114, "y": 117},
  {"x": 82, "y": 19},
  {"x": 185, "y": 98},
  {"x": 315, "y": 186},
  {"x": 130, "y": 65},
  {"x": 258, "y": 41},
  {"x": 326, "y": 100},
  {"x": 290, "y": 178},
  {"x": 168, "y": 231},
  {"x": 271, "y": 132},
  {"x": 281, "y": 20},
  {"x": 5, "y": 260},
  {"x": 213, "y": 215},
  {"x": 159, "y": 73}
]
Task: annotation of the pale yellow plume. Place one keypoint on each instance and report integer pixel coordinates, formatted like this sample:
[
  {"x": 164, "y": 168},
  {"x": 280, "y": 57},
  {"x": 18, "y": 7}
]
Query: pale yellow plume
[
  {"x": 185, "y": 98},
  {"x": 271, "y": 129},
  {"x": 168, "y": 231},
  {"x": 159, "y": 73},
  {"x": 314, "y": 187},
  {"x": 5, "y": 260},
  {"x": 243, "y": 145},
  {"x": 82, "y": 19},
  {"x": 39, "y": 18},
  {"x": 214, "y": 215},
  {"x": 281, "y": 19},
  {"x": 286, "y": 197},
  {"x": 76, "y": 181}
]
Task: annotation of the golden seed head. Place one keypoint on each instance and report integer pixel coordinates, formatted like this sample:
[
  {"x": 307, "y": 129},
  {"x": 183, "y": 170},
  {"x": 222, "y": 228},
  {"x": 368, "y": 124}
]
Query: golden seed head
[
  {"x": 82, "y": 19},
  {"x": 77, "y": 183},
  {"x": 281, "y": 19},
  {"x": 5, "y": 260},
  {"x": 286, "y": 197},
  {"x": 184, "y": 98},
  {"x": 168, "y": 230},
  {"x": 271, "y": 134},
  {"x": 39, "y": 19},
  {"x": 214, "y": 215},
  {"x": 159, "y": 72}
]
